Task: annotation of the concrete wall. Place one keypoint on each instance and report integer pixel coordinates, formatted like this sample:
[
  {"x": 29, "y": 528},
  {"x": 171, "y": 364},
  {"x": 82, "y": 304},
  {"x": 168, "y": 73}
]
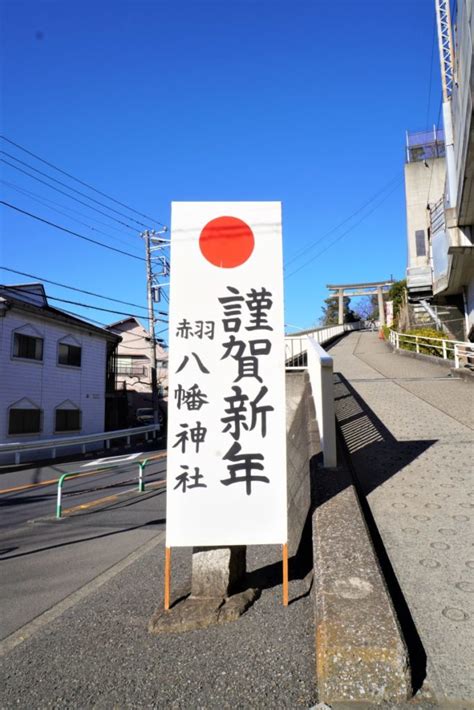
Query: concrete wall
[
  {"x": 47, "y": 384},
  {"x": 302, "y": 444},
  {"x": 424, "y": 182}
]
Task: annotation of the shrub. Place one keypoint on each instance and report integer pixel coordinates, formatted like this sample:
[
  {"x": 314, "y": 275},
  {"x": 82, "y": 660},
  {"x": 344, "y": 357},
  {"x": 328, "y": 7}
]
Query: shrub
[{"x": 427, "y": 347}]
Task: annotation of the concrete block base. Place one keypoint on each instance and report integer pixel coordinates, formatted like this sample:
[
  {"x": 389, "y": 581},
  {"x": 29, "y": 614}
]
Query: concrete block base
[{"x": 194, "y": 613}]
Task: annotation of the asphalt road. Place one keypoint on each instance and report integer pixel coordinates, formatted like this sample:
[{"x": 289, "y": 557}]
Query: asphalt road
[{"x": 105, "y": 518}]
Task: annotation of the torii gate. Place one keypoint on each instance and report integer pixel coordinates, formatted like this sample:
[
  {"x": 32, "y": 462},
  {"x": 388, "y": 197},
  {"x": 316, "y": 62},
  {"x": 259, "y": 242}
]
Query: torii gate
[{"x": 365, "y": 289}]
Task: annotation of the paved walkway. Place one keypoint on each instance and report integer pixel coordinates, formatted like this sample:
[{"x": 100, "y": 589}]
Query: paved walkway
[{"x": 409, "y": 428}]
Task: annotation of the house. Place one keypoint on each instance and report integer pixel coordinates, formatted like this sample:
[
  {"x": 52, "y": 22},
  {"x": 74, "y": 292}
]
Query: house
[
  {"x": 55, "y": 369},
  {"x": 133, "y": 365}
]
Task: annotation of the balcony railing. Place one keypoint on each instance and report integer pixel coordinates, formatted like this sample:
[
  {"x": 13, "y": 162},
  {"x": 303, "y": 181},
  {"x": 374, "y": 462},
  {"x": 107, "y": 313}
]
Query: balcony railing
[
  {"x": 131, "y": 370},
  {"x": 425, "y": 145}
]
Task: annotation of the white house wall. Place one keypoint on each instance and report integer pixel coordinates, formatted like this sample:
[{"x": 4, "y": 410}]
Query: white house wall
[{"x": 48, "y": 384}]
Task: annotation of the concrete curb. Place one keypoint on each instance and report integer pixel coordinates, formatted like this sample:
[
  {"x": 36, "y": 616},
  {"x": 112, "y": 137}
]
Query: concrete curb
[{"x": 360, "y": 654}]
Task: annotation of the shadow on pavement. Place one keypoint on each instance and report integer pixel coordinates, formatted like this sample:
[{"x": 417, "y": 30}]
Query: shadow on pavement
[
  {"x": 158, "y": 521},
  {"x": 373, "y": 456}
]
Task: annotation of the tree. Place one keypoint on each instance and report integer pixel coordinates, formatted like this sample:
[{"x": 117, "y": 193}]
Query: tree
[
  {"x": 397, "y": 294},
  {"x": 331, "y": 311},
  {"x": 367, "y": 308}
]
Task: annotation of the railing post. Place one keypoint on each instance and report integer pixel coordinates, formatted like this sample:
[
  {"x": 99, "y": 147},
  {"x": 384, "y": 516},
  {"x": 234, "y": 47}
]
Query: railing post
[
  {"x": 59, "y": 509},
  {"x": 445, "y": 354},
  {"x": 141, "y": 483},
  {"x": 417, "y": 344},
  {"x": 456, "y": 355},
  {"x": 397, "y": 341}
]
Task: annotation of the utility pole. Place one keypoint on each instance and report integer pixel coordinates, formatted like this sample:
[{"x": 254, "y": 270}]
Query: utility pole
[{"x": 153, "y": 242}]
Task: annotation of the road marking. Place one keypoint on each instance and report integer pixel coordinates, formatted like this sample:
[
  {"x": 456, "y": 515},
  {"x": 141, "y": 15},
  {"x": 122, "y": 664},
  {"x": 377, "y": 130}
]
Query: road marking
[
  {"x": 113, "y": 460},
  {"x": 98, "y": 501},
  {"x": 48, "y": 483},
  {"x": 26, "y": 631},
  {"x": 27, "y": 486}
]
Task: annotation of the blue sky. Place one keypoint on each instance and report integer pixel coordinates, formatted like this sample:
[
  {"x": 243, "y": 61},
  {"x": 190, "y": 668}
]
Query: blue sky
[{"x": 303, "y": 102}]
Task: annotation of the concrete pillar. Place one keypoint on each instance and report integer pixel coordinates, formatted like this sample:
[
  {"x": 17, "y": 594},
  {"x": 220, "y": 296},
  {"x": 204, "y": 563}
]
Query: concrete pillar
[
  {"x": 381, "y": 306},
  {"x": 340, "y": 319},
  {"x": 217, "y": 571}
]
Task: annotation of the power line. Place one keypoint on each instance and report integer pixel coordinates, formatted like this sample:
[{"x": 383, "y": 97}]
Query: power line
[
  {"x": 73, "y": 288},
  {"x": 346, "y": 232},
  {"x": 81, "y": 182},
  {"x": 71, "y": 197},
  {"x": 304, "y": 250},
  {"x": 78, "y": 303},
  {"x": 69, "y": 231},
  {"x": 73, "y": 189},
  {"x": 44, "y": 201}
]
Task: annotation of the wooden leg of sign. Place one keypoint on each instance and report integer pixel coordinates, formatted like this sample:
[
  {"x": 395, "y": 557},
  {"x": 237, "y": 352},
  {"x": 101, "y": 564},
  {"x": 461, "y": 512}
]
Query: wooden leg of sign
[
  {"x": 285, "y": 574},
  {"x": 167, "y": 577}
]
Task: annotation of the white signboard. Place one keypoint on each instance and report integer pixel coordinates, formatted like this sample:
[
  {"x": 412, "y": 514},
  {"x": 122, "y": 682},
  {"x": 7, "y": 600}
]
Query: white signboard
[{"x": 226, "y": 480}]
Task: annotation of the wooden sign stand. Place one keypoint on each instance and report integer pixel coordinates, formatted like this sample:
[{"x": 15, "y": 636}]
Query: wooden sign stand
[{"x": 284, "y": 549}]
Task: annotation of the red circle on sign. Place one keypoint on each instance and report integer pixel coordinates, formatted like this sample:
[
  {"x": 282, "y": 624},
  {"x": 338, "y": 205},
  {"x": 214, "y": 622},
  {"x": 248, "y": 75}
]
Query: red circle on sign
[{"x": 226, "y": 242}]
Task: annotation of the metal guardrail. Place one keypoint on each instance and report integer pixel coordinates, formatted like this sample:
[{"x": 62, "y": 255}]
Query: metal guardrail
[
  {"x": 461, "y": 352},
  {"x": 20, "y": 447}
]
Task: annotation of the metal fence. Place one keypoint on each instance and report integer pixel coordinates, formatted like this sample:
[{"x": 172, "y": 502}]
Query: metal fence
[{"x": 423, "y": 145}]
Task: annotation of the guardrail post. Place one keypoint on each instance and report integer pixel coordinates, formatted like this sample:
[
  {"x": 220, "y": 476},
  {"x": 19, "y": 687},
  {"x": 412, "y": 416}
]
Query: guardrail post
[
  {"x": 445, "y": 354},
  {"x": 417, "y": 344}
]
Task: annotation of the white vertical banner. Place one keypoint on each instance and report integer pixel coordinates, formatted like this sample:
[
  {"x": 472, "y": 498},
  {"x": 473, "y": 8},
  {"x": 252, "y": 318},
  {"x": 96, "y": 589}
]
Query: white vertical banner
[{"x": 226, "y": 470}]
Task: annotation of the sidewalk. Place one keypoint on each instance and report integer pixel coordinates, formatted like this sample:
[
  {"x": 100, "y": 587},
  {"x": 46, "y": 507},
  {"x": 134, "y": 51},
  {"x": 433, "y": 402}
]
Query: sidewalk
[
  {"x": 408, "y": 426},
  {"x": 99, "y": 654}
]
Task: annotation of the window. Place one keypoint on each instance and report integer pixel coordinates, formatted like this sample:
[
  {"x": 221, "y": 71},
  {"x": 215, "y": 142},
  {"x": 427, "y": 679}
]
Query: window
[
  {"x": 69, "y": 355},
  {"x": 420, "y": 242},
  {"x": 24, "y": 421},
  {"x": 68, "y": 420},
  {"x": 27, "y": 346}
]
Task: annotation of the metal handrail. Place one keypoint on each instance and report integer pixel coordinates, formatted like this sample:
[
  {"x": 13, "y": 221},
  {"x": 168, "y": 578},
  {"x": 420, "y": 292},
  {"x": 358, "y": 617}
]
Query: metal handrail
[
  {"x": 296, "y": 345},
  {"x": 19, "y": 447},
  {"x": 445, "y": 346}
]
